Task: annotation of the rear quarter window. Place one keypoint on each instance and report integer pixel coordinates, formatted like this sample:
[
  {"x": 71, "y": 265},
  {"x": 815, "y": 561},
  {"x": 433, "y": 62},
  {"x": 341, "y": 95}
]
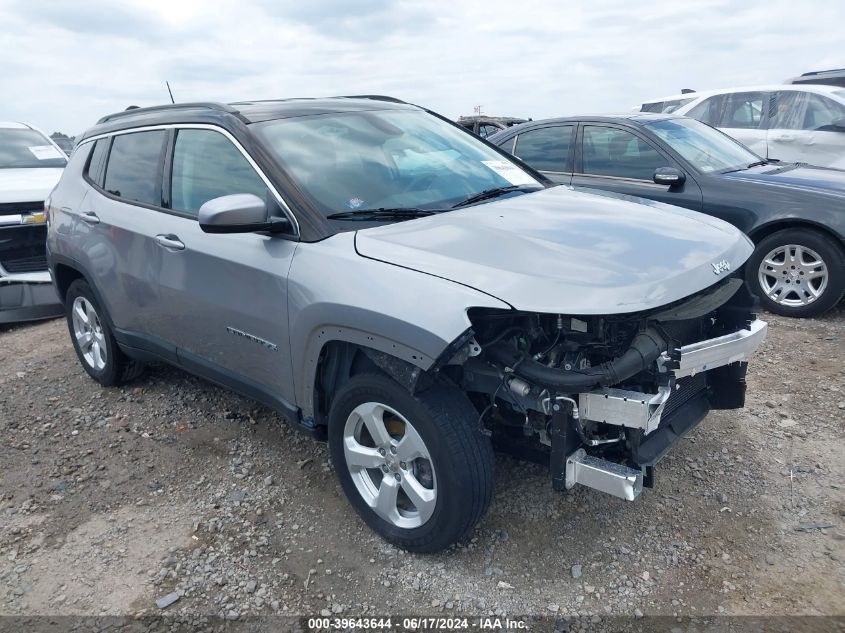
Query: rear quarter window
[{"x": 94, "y": 170}]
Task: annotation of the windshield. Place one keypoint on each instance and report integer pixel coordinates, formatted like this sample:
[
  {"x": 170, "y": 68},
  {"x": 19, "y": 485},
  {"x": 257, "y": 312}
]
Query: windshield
[
  {"x": 706, "y": 148},
  {"x": 25, "y": 148},
  {"x": 354, "y": 161}
]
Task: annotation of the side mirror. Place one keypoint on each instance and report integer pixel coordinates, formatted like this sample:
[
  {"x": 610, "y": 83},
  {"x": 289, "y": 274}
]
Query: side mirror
[
  {"x": 669, "y": 176},
  {"x": 239, "y": 213}
]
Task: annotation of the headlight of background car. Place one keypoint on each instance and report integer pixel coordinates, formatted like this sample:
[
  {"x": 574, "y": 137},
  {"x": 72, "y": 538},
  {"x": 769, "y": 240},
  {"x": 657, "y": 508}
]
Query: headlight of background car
[
  {"x": 34, "y": 217},
  {"x": 26, "y": 217}
]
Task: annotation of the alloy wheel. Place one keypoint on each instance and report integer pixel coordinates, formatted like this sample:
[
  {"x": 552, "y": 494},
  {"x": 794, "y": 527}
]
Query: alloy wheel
[
  {"x": 792, "y": 275},
  {"x": 89, "y": 335},
  {"x": 390, "y": 465}
]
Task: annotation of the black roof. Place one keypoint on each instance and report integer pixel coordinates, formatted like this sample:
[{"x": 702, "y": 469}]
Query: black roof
[
  {"x": 243, "y": 111},
  {"x": 633, "y": 117},
  {"x": 638, "y": 118},
  {"x": 822, "y": 72}
]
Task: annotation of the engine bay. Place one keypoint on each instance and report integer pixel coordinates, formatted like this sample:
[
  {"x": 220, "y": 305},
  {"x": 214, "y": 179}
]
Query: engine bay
[{"x": 556, "y": 388}]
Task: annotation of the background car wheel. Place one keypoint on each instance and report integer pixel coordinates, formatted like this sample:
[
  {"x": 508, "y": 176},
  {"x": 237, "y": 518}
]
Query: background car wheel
[
  {"x": 416, "y": 468},
  {"x": 93, "y": 340},
  {"x": 797, "y": 272}
]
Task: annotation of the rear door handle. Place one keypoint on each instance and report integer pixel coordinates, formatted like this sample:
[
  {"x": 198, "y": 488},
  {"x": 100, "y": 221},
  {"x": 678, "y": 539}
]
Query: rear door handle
[
  {"x": 785, "y": 137},
  {"x": 170, "y": 241},
  {"x": 90, "y": 217}
]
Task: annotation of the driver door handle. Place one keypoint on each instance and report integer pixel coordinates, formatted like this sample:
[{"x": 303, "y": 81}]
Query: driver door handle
[
  {"x": 90, "y": 217},
  {"x": 170, "y": 241}
]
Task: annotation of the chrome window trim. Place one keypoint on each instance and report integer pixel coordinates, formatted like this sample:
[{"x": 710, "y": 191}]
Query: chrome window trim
[
  {"x": 638, "y": 181},
  {"x": 215, "y": 128}
]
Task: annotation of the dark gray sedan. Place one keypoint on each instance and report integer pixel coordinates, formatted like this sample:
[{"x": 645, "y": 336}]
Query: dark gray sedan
[{"x": 794, "y": 213}]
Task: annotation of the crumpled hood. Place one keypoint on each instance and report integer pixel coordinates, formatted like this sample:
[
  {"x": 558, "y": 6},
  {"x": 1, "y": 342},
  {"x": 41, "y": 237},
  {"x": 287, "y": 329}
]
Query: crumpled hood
[
  {"x": 564, "y": 251},
  {"x": 28, "y": 185}
]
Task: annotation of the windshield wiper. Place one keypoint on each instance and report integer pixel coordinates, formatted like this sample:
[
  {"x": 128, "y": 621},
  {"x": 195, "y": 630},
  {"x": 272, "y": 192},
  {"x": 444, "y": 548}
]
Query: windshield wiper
[
  {"x": 756, "y": 163},
  {"x": 495, "y": 192},
  {"x": 382, "y": 213}
]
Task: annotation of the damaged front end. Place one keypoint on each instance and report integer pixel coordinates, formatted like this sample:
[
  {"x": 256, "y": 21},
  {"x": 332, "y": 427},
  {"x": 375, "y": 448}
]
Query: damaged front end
[{"x": 601, "y": 399}]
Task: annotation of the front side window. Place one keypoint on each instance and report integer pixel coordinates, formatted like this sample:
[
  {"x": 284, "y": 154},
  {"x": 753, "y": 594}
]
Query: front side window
[
  {"x": 708, "y": 111},
  {"x": 610, "y": 151},
  {"x": 206, "y": 165},
  {"x": 25, "y": 148},
  {"x": 507, "y": 145},
  {"x": 707, "y": 149},
  {"x": 743, "y": 110},
  {"x": 363, "y": 160},
  {"x": 795, "y": 110},
  {"x": 546, "y": 148},
  {"x": 132, "y": 172}
]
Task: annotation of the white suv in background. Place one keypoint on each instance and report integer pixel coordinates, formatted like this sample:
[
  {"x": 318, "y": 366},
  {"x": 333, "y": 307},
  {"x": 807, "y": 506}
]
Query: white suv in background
[
  {"x": 30, "y": 166},
  {"x": 793, "y": 123}
]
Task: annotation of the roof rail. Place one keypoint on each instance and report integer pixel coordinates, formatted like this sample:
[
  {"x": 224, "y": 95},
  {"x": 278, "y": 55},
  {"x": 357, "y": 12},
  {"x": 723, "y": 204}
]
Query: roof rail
[
  {"x": 373, "y": 97},
  {"x": 821, "y": 72},
  {"x": 209, "y": 105}
]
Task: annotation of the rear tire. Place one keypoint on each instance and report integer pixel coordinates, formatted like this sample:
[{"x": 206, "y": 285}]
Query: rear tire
[
  {"x": 797, "y": 272},
  {"x": 416, "y": 468},
  {"x": 93, "y": 340}
]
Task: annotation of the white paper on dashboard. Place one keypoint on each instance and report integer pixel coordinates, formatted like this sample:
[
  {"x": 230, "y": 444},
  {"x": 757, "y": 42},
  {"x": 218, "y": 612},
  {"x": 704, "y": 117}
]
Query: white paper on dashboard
[
  {"x": 510, "y": 172},
  {"x": 45, "y": 152}
]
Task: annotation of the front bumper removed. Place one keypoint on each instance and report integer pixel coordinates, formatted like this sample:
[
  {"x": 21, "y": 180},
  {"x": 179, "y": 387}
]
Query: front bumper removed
[
  {"x": 28, "y": 297},
  {"x": 705, "y": 375}
]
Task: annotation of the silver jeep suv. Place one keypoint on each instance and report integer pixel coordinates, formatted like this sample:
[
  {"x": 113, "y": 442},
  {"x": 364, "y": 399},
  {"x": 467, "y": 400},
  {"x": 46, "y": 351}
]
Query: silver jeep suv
[{"x": 397, "y": 286}]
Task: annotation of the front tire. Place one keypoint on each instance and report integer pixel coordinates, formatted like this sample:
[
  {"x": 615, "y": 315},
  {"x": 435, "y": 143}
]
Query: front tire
[
  {"x": 93, "y": 340},
  {"x": 416, "y": 468},
  {"x": 797, "y": 273}
]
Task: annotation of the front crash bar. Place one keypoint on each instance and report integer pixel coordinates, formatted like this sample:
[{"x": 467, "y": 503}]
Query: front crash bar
[{"x": 719, "y": 351}]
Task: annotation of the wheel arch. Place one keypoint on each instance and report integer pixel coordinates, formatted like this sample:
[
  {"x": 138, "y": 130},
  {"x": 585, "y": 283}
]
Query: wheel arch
[
  {"x": 760, "y": 233},
  {"x": 334, "y": 354},
  {"x": 63, "y": 276},
  {"x": 65, "y": 271}
]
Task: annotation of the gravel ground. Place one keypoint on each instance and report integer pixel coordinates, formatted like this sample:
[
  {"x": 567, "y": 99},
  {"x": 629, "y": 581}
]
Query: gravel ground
[{"x": 113, "y": 498}]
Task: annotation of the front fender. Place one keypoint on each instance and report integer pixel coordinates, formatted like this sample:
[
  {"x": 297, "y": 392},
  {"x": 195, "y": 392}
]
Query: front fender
[{"x": 337, "y": 295}]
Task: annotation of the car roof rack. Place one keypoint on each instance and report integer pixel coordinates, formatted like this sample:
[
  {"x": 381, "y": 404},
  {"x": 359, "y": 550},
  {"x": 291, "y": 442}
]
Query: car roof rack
[
  {"x": 373, "y": 97},
  {"x": 209, "y": 105},
  {"x": 821, "y": 72}
]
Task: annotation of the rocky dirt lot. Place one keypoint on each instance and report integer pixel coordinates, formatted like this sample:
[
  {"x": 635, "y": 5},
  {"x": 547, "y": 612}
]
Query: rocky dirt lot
[{"x": 113, "y": 498}]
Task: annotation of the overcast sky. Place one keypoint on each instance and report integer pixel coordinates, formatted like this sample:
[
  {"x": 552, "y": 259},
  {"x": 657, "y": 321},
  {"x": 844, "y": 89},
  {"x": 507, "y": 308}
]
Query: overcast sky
[{"x": 63, "y": 64}]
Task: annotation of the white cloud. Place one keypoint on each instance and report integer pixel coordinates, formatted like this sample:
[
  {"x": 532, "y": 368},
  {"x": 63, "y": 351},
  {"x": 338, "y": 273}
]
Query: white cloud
[{"x": 65, "y": 64}]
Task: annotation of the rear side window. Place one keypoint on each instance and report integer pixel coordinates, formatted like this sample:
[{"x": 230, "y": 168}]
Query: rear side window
[
  {"x": 206, "y": 165},
  {"x": 133, "y": 170},
  {"x": 546, "y": 148},
  {"x": 796, "y": 110},
  {"x": 94, "y": 171}
]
